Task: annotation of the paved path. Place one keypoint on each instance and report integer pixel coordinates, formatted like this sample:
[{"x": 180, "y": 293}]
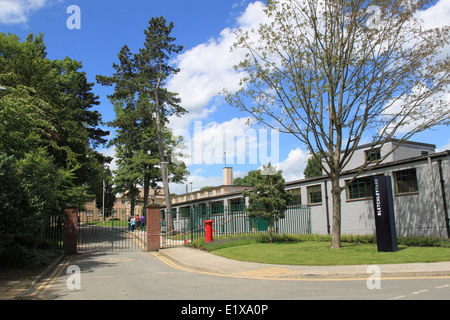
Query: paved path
[{"x": 203, "y": 261}]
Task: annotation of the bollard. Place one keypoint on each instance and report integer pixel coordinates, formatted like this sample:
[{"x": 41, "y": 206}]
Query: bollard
[{"x": 208, "y": 231}]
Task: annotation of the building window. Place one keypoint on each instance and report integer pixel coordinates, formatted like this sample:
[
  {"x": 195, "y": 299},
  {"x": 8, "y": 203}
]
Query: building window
[
  {"x": 185, "y": 212},
  {"x": 360, "y": 188},
  {"x": 237, "y": 205},
  {"x": 216, "y": 207},
  {"x": 314, "y": 194},
  {"x": 405, "y": 181},
  {"x": 373, "y": 154},
  {"x": 209, "y": 193},
  {"x": 218, "y": 192},
  {"x": 296, "y": 197}
]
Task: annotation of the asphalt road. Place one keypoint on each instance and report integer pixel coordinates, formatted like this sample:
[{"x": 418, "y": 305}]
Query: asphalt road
[{"x": 134, "y": 275}]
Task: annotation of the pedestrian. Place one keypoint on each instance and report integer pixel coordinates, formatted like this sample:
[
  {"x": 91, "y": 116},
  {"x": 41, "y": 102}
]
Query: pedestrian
[
  {"x": 133, "y": 223},
  {"x": 143, "y": 223},
  {"x": 129, "y": 223},
  {"x": 138, "y": 222}
]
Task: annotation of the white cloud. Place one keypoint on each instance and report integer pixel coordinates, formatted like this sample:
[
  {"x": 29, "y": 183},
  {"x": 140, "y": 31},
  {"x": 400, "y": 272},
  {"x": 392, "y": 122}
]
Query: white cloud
[
  {"x": 436, "y": 16},
  {"x": 230, "y": 142},
  {"x": 208, "y": 68},
  {"x": 444, "y": 147},
  {"x": 292, "y": 168},
  {"x": 111, "y": 152},
  {"x": 417, "y": 110},
  {"x": 18, "y": 11}
]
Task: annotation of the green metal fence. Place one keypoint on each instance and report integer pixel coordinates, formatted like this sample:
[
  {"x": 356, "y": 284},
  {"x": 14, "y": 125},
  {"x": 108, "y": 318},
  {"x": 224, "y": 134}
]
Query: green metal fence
[
  {"x": 235, "y": 220},
  {"x": 54, "y": 231},
  {"x": 114, "y": 232}
]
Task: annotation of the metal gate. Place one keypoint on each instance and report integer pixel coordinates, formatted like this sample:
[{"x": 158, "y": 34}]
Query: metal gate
[{"x": 110, "y": 235}]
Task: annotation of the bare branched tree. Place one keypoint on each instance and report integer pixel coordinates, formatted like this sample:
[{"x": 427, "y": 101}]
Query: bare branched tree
[{"x": 335, "y": 72}]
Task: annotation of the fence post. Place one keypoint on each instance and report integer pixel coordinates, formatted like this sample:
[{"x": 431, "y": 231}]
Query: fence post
[
  {"x": 153, "y": 227},
  {"x": 70, "y": 233}
]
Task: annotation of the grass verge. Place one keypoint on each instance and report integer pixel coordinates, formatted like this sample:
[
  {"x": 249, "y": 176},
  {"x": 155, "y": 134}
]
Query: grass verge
[{"x": 316, "y": 250}]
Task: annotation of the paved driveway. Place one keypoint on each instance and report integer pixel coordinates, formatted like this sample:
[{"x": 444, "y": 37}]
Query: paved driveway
[{"x": 147, "y": 276}]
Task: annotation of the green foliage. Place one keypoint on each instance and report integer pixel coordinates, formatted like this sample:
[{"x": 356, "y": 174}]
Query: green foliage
[
  {"x": 313, "y": 168},
  {"x": 55, "y": 92},
  {"x": 30, "y": 191},
  {"x": 248, "y": 180},
  {"x": 268, "y": 199},
  {"x": 47, "y": 135},
  {"x": 142, "y": 106}
]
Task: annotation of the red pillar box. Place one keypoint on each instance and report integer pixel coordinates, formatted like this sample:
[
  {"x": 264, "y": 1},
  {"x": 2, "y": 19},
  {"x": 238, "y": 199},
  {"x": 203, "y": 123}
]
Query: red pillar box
[{"x": 208, "y": 231}]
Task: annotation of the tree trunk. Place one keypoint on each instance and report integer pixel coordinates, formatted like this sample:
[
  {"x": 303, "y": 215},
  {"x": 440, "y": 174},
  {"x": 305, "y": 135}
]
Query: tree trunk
[
  {"x": 164, "y": 168},
  {"x": 336, "y": 223},
  {"x": 146, "y": 190},
  {"x": 132, "y": 202}
]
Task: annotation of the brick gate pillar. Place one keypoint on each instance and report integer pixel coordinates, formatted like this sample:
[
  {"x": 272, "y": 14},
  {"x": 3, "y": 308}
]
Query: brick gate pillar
[
  {"x": 153, "y": 227},
  {"x": 70, "y": 231}
]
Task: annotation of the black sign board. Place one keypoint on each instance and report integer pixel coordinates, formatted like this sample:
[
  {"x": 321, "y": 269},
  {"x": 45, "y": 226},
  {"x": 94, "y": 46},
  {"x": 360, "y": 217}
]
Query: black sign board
[{"x": 383, "y": 205}]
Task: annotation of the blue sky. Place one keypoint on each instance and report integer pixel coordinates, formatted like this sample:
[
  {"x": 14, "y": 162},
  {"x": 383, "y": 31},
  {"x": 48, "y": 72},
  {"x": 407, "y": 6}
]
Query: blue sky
[{"x": 203, "y": 27}]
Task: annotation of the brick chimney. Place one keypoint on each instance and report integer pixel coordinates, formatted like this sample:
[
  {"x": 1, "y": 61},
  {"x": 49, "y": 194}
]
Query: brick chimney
[{"x": 227, "y": 176}]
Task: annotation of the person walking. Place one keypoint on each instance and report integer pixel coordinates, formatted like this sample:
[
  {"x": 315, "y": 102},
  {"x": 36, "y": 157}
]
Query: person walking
[
  {"x": 143, "y": 223},
  {"x": 133, "y": 223},
  {"x": 138, "y": 222}
]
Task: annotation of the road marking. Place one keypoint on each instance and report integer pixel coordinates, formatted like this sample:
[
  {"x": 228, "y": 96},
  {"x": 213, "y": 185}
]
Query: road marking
[
  {"x": 421, "y": 291},
  {"x": 444, "y": 286},
  {"x": 45, "y": 285},
  {"x": 240, "y": 276},
  {"x": 398, "y": 298}
]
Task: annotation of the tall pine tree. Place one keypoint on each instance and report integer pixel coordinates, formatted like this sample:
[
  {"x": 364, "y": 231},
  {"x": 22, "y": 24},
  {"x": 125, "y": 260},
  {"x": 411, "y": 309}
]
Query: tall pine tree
[{"x": 139, "y": 82}]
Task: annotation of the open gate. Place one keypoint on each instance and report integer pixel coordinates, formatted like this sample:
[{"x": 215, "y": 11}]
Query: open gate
[{"x": 110, "y": 235}]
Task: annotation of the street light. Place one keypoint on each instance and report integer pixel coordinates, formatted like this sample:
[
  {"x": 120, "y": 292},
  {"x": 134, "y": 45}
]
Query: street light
[{"x": 166, "y": 166}]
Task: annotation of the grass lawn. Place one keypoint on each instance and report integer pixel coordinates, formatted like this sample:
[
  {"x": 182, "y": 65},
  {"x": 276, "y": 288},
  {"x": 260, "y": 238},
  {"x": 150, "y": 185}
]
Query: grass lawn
[
  {"x": 117, "y": 223},
  {"x": 320, "y": 253}
]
